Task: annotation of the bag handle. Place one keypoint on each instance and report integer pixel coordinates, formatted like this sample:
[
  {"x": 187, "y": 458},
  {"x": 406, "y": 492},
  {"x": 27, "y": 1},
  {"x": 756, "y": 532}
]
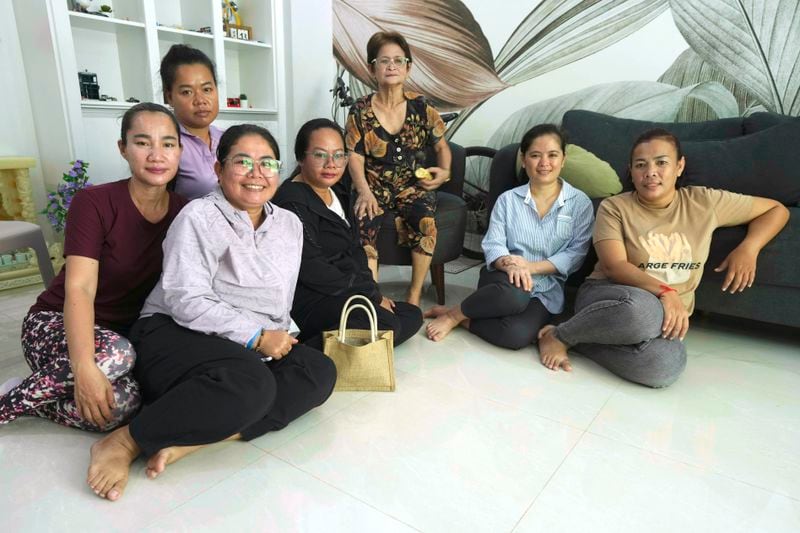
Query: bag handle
[{"x": 369, "y": 309}]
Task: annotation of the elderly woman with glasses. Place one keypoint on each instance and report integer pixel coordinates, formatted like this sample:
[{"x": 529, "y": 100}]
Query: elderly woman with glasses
[
  {"x": 386, "y": 131},
  {"x": 215, "y": 357},
  {"x": 334, "y": 265}
]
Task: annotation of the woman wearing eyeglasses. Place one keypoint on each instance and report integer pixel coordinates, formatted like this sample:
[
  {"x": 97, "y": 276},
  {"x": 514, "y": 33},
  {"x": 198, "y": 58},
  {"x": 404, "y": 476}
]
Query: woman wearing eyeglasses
[
  {"x": 334, "y": 265},
  {"x": 215, "y": 357},
  {"x": 385, "y": 132}
]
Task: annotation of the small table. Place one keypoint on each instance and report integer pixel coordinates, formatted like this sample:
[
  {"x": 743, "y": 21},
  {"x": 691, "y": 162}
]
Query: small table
[{"x": 16, "y": 203}]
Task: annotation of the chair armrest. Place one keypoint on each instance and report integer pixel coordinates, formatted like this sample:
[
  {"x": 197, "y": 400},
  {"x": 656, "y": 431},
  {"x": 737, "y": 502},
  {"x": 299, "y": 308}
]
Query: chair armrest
[
  {"x": 456, "y": 184},
  {"x": 503, "y": 174}
]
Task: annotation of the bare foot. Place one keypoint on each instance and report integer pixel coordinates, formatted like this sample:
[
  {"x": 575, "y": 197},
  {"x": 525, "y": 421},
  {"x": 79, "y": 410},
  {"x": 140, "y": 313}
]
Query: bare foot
[
  {"x": 158, "y": 462},
  {"x": 553, "y": 352},
  {"x": 439, "y": 327},
  {"x": 435, "y": 312},
  {"x": 110, "y": 464}
]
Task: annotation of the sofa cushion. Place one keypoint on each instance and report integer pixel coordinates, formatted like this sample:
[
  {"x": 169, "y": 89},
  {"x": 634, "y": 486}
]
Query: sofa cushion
[
  {"x": 584, "y": 171},
  {"x": 611, "y": 138},
  {"x": 762, "y": 121},
  {"x": 765, "y": 163}
]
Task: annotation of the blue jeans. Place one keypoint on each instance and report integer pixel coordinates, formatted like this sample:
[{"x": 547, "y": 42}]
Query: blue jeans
[{"x": 619, "y": 327}]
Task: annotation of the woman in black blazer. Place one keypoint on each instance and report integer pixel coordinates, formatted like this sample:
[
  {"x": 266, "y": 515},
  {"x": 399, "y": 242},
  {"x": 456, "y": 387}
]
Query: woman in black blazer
[{"x": 334, "y": 265}]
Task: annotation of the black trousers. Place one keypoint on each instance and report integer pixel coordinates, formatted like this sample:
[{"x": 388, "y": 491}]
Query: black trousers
[
  {"x": 199, "y": 389},
  {"x": 503, "y": 314},
  {"x": 404, "y": 322}
]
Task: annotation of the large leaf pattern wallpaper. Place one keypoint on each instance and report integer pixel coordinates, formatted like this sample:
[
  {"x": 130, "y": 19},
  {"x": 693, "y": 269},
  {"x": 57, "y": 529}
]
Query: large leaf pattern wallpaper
[{"x": 740, "y": 56}]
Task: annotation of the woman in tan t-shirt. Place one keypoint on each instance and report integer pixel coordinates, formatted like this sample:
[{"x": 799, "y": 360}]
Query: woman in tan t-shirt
[{"x": 632, "y": 313}]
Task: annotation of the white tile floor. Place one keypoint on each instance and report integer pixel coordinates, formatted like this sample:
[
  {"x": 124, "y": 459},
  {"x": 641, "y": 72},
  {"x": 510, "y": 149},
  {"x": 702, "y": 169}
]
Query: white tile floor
[{"x": 476, "y": 438}]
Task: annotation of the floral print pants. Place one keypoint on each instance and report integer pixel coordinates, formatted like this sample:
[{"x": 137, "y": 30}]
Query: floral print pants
[
  {"x": 48, "y": 392},
  {"x": 414, "y": 223}
]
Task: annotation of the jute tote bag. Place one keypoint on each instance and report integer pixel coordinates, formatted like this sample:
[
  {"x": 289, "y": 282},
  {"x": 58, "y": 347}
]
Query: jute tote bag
[{"x": 364, "y": 358}]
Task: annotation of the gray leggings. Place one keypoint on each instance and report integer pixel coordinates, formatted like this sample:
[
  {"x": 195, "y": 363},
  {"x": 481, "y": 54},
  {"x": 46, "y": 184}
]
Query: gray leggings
[{"x": 619, "y": 327}]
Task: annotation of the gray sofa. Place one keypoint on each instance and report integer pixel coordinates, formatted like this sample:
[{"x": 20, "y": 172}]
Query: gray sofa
[{"x": 758, "y": 155}]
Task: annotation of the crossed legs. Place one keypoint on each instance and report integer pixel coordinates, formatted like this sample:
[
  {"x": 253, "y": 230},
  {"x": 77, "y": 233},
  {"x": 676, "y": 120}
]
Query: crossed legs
[{"x": 200, "y": 389}]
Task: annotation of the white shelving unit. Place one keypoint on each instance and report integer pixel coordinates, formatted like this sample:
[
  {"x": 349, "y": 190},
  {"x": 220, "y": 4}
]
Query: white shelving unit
[{"x": 125, "y": 49}]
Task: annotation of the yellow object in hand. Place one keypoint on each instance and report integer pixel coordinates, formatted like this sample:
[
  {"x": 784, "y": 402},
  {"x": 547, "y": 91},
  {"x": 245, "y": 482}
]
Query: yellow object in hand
[{"x": 423, "y": 174}]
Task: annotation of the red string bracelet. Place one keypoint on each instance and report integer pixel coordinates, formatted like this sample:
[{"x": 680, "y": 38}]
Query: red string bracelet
[{"x": 665, "y": 289}]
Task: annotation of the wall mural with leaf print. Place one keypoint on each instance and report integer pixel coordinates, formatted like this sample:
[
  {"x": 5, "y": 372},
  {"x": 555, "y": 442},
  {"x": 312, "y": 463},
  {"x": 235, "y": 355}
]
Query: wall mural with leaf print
[{"x": 743, "y": 56}]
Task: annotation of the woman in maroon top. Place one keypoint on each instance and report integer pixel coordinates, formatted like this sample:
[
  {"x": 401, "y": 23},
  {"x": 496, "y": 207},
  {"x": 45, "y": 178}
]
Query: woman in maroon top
[{"x": 73, "y": 337}]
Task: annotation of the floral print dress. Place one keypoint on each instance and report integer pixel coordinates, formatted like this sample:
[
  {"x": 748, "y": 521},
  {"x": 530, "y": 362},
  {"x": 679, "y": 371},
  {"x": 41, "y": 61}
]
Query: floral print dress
[{"x": 390, "y": 161}]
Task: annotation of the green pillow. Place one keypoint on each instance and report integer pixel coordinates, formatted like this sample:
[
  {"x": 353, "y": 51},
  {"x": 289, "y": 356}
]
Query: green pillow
[{"x": 586, "y": 172}]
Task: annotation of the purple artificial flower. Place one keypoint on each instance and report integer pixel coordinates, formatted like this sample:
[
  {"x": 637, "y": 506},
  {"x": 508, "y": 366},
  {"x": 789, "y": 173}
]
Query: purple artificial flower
[{"x": 58, "y": 201}]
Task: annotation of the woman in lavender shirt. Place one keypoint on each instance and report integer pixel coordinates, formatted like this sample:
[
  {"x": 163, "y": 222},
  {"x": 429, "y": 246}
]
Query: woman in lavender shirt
[{"x": 189, "y": 80}]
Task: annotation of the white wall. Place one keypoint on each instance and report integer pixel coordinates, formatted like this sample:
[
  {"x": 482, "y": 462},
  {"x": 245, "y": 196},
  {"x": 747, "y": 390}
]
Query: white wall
[
  {"x": 54, "y": 107},
  {"x": 17, "y": 136},
  {"x": 310, "y": 67}
]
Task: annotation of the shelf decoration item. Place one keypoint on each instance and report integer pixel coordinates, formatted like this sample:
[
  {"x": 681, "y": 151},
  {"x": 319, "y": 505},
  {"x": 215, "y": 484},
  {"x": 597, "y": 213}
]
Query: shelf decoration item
[
  {"x": 230, "y": 13},
  {"x": 81, "y": 6},
  {"x": 90, "y": 89},
  {"x": 243, "y": 101},
  {"x": 75, "y": 179},
  {"x": 85, "y": 6},
  {"x": 231, "y": 23}
]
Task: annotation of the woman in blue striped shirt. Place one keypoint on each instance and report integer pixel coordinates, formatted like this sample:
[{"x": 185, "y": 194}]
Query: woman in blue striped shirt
[{"x": 538, "y": 235}]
